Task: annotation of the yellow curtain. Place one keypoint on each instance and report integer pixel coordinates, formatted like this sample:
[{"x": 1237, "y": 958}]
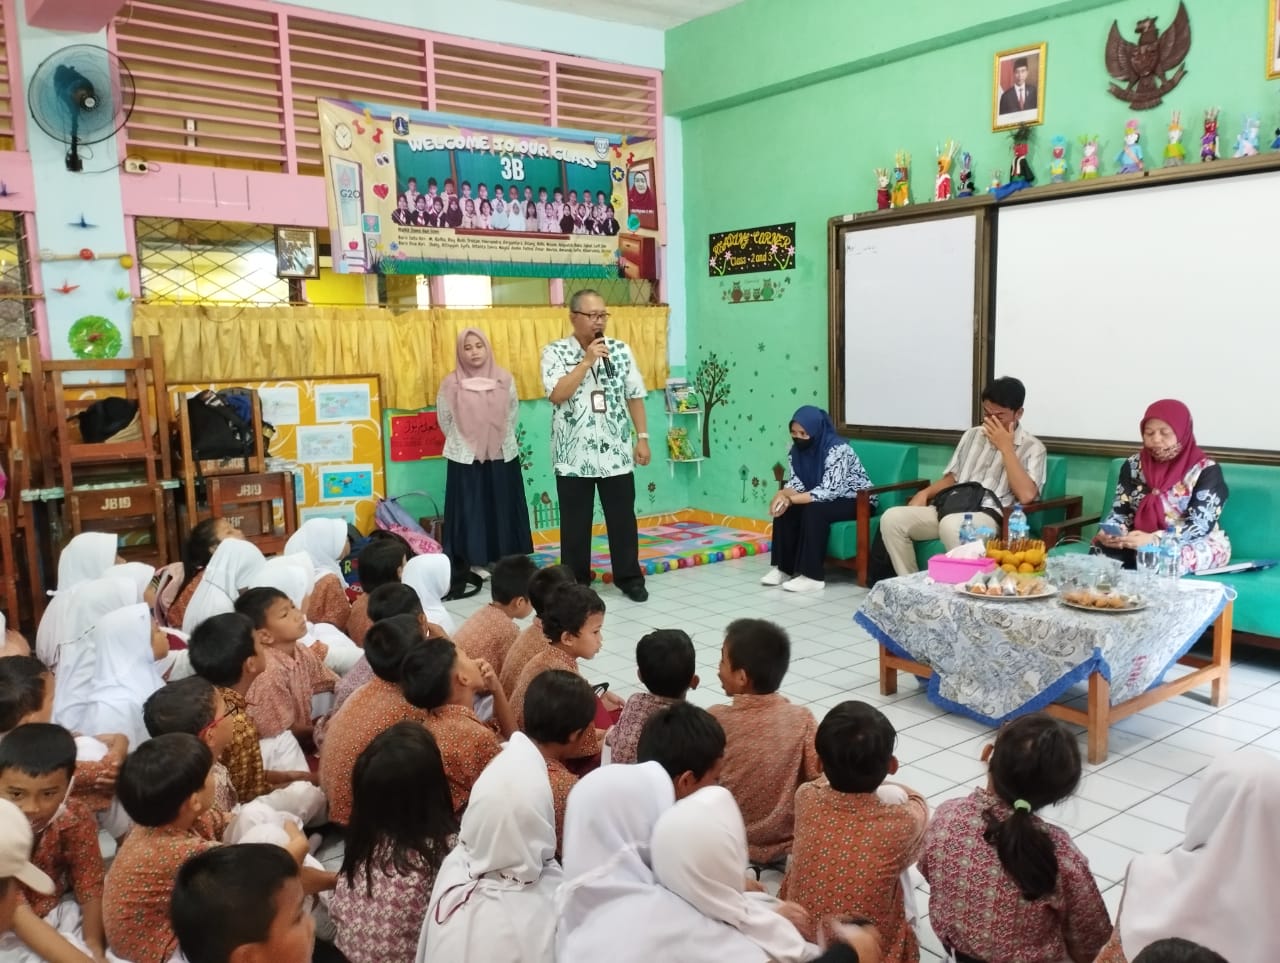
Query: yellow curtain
[{"x": 411, "y": 350}]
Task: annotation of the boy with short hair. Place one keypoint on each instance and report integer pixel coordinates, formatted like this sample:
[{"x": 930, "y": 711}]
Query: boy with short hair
[
  {"x": 242, "y": 902},
  {"x": 665, "y": 663},
  {"x": 852, "y": 817},
  {"x": 385, "y": 601},
  {"x": 372, "y": 709},
  {"x": 688, "y": 743},
  {"x": 442, "y": 679},
  {"x": 532, "y": 640},
  {"x": 37, "y": 761},
  {"x": 770, "y": 749},
  {"x": 381, "y": 563},
  {"x": 226, "y": 652},
  {"x": 280, "y": 698},
  {"x": 16, "y": 868},
  {"x": 490, "y": 632},
  {"x": 167, "y": 788},
  {"x": 560, "y": 713}
]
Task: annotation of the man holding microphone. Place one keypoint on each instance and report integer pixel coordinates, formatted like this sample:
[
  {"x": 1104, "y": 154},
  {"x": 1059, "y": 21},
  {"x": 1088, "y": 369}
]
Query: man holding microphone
[{"x": 597, "y": 394}]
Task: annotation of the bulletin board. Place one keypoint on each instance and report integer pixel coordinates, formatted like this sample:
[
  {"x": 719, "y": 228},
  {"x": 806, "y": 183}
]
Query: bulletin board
[{"x": 331, "y": 429}]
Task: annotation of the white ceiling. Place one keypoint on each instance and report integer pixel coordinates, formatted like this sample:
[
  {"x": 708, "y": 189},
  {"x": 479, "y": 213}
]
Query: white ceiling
[{"x": 642, "y": 13}]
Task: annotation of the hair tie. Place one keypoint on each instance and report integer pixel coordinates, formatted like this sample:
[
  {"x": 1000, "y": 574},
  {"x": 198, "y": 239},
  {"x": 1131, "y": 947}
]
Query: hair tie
[{"x": 1021, "y": 804}]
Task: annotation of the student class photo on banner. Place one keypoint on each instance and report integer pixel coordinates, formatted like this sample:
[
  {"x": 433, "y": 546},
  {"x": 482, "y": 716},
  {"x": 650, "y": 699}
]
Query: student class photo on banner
[{"x": 412, "y": 192}]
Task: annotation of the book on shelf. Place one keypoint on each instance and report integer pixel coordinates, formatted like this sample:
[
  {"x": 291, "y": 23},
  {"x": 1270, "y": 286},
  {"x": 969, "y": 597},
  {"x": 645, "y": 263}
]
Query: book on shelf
[
  {"x": 680, "y": 396},
  {"x": 679, "y": 448}
]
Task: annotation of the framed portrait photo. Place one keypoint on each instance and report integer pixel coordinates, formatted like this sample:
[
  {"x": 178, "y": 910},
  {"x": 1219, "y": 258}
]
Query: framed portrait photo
[
  {"x": 1018, "y": 87},
  {"x": 297, "y": 255},
  {"x": 642, "y": 196},
  {"x": 1273, "y": 39}
]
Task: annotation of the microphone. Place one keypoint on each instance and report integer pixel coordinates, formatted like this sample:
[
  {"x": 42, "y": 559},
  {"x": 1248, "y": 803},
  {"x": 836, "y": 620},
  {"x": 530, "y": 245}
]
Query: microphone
[{"x": 608, "y": 365}]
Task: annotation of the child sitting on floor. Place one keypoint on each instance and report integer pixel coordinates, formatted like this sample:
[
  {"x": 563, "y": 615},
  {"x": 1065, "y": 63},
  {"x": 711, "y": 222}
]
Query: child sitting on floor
[
  {"x": 491, "y": 631},
  {"x": 385, "y": 602},
  {"x": 280, "y": 699},
  {"x": 229, "y": 654},
  {"x": 244, "y": 904},
  {"x": 688, "y": 743},
  {"x": 325, "y": 542},
  {"x": 401, "y": 828},
  {"x": 381, "y": 563},
  {"x": 770, "y": 749},
  {"x": 1005, "y": 886},
  {"x": 444, "y": 680},
  {"x": 37, "y": 761},
  {"x": 665, "y": 663},
  {"x": 375, "y": 707},
  {"x": 531, "y": 639},
  {"x": 572, "y": 627},
  {"x": 852, "y": 817},
  {"x": 26, "y": 695},
  {"x": 559, "y": 715},
  {"x": 196, "y": 707}
]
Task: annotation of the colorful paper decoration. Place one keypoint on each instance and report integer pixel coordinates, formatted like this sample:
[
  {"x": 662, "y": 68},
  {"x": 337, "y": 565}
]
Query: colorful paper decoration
[{"x": 416, "y": 436}]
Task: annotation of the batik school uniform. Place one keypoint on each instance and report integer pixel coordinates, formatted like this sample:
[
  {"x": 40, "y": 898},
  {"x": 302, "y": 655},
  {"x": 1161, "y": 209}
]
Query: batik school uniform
[
  {"x": 528, "y": 643},
  {"x": 488, "y": 634},
  {"x": 373, "y": 709},
  {"x": 359, "y": 623},
  {"x": 243, "y": 756},
  {"x": 549, "y": 658},
  {"x": 329, "y": 603},
  {"x": 847, "y": 859},
  {"x": 139, "y": 886},
  {"x": 977, "y": 909},
  {"x": 280, "y": 699},
  {"x": 769, "y": 752},
  {"x": 562, "y": 783},
  {"x": 624, "y": 737},
  {"x": 466, "y": 746}
]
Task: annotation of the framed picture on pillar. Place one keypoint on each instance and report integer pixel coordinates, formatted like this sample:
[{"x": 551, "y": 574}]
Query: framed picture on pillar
[
  {"x": 297, "y": 255},
  {"x": 1018, "y": 87}
]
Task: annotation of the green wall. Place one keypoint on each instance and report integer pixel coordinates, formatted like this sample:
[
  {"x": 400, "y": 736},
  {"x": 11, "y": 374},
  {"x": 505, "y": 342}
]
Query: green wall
[{"x": 787, "y": 107}]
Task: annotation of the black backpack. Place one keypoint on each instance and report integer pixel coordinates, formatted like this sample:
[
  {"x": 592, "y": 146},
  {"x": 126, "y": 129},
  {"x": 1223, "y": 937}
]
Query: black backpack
[
  {"x": 221, "y": 424},
  {"x": 104, "y": 418}
]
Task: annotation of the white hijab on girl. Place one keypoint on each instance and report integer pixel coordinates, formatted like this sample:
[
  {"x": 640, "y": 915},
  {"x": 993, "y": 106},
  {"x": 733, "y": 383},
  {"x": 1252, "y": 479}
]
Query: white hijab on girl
[
  {"x": 230, "y": 570},
  {"x": 1214, "y": 889},
  {"x": 431, "y": 577},
  {"x": 494, "y": 897},
  {"x": 74, "y": 689},
  {"x": 85, "y": 557},
  {"x": 699, "y": 852},
  {"x": 610, "y": 897},
  {"x": 125, "y": 673},
  {"x": 322, "y": 540}
]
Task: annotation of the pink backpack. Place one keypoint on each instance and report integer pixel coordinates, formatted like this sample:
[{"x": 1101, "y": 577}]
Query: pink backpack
[{"x": 391, "y": 516}]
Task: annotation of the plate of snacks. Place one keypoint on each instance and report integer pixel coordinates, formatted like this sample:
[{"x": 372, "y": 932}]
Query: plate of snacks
[
  {"x": 1109, "y": 603},
  {"x": 1023, "y": 556},
  {"x": 1001, "y": 586}
]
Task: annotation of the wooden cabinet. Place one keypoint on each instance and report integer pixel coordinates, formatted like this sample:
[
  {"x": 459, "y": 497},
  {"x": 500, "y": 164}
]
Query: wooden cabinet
[{"x": 639, "y": 256}]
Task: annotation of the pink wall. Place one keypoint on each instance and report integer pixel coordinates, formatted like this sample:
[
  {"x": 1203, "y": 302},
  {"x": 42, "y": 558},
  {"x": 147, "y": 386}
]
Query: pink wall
[{"x": 215, "y": 194}]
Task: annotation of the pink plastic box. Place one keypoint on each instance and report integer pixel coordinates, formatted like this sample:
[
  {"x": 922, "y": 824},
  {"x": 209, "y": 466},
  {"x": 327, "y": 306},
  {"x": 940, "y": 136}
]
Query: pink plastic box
[{"x": 956, "y": 570}]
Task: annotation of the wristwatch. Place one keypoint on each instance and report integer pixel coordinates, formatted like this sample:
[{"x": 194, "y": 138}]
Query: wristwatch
[{"x": 643, "y": 434}]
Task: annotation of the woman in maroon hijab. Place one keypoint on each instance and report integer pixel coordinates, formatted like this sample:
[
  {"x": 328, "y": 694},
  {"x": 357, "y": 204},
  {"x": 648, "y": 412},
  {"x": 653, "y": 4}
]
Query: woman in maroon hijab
[
  {"x": 1170, "y": 482},
  {"x": 485, "y": 515}
]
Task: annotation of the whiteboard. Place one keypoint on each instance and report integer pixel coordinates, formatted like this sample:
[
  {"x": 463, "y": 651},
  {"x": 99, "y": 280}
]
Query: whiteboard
[
  {"x": 909, "y": 316},
  {"x": 1105, "y": 303}
]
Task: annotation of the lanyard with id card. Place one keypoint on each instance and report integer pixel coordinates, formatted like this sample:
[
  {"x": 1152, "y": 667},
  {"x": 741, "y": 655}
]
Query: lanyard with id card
[{"x": 598, "y": 404}]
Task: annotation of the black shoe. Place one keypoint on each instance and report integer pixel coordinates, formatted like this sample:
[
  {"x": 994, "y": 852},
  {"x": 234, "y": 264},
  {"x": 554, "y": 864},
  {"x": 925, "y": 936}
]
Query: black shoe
[{"x": 635, "y": 591}]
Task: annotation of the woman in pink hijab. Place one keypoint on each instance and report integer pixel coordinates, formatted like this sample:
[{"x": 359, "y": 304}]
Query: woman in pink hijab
[
  {"x": 485, "y": 515},
  {"x": 1170, "y": 482}
]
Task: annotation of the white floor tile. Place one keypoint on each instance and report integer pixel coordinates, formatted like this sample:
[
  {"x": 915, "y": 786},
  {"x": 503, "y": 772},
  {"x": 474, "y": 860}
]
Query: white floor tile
[
  {"x": 1163, "y": 809},
  {"x": 1173, "y": 757},
  {"x": 1142, "y": 774},
  {"x": 1106, "y": 859},
  {"x": 1134, "y": 832}
]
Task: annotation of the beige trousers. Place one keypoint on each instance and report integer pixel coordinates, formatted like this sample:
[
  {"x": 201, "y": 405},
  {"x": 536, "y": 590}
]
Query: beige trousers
[{"x": 904, "y": 525}]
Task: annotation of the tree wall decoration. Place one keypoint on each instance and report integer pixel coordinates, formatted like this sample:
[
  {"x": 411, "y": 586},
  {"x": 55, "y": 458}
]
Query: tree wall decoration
[{"x": 712, "y": 382}]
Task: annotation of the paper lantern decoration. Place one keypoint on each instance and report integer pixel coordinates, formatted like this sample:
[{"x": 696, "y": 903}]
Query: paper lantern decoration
[{"x": 95, "y": 338}]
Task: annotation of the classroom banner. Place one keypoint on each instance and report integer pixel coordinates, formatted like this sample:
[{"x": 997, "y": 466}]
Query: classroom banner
[
  {"x": 754, "y": 249},
  {"x": 412, "y": 192}
]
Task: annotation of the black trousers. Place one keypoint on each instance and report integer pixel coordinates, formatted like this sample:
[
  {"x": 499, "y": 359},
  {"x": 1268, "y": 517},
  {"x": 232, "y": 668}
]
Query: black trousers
[
  {"x": 800, "y": 535},
  {"x": 618, "y": 499}
]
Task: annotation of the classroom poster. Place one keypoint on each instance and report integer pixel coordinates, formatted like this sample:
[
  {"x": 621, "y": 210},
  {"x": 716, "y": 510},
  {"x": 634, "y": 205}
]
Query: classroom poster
[
  {"x": 413, "y": 192},
  {"x": 754, "y": 249}
]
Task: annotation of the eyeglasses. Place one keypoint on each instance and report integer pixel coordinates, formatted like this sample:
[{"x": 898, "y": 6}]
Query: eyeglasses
[
  {"x": 214, "y": 724},
  {"x": 594, "y": 315}
]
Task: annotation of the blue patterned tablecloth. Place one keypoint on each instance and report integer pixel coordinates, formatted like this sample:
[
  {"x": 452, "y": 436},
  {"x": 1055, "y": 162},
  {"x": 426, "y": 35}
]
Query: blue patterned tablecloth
[{"x": 996, "y": 660}]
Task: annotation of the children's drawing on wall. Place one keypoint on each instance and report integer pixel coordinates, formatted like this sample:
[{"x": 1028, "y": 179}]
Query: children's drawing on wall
[
  {"x": 545, "y": 513},
  {"x": 712, "y": 382},
  {"x": 526, "y": 452},
  {"x": 767, "y": 289},
  {"x": 652, "y": 489}
]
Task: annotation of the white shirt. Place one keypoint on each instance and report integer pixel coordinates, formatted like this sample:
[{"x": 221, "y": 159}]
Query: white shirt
[{"x": 586, "y": 443}]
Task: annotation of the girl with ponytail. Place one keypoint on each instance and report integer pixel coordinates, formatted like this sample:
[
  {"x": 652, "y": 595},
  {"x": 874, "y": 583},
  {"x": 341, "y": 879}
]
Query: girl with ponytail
[{"x": 1006, "y": 886}]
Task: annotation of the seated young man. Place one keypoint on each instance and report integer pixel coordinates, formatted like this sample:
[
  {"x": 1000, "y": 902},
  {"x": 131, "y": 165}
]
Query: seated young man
[{"x": 1000, "y": 455}]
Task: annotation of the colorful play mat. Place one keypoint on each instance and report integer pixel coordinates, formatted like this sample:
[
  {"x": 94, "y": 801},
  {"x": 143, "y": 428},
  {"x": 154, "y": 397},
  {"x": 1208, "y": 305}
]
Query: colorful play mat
[{"x": 664, "y": 548}]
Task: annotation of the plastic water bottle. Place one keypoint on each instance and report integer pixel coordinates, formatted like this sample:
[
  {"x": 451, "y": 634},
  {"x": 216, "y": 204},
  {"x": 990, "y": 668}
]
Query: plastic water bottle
[
  {"x": 967, "y": 532},
  {"x": 1170, "y": 554},
  {"x": 1018, "y": 527}
]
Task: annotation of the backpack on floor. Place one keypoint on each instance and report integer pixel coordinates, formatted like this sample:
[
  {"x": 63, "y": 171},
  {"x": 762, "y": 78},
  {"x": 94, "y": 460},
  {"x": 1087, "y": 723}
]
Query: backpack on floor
[{"x": 391, "y": 516}]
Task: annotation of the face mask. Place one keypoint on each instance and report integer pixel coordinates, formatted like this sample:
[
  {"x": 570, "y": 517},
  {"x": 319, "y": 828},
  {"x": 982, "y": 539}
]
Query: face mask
[
  {"x": 802, "y": 443},
  {"x": 1168, "y": 453},
  {"x": 57, "y": 813}
]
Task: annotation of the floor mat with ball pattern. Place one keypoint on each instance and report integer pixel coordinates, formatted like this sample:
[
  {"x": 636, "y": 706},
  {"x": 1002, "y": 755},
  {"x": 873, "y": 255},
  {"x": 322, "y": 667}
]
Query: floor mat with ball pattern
[{"x": 664, "y": 548}]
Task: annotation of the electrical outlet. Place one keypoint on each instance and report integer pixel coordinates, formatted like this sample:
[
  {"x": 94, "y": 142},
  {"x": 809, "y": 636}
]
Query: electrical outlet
[{"x": 136, "y": 165}]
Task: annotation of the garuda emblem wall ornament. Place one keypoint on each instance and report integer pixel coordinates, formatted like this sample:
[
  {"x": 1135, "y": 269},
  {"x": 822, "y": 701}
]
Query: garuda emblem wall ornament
[{"x": 1148, "y": 70}]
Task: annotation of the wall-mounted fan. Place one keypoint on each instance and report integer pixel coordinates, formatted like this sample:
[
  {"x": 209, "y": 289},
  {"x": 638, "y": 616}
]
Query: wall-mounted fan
[{"x": 81, "y": 95}]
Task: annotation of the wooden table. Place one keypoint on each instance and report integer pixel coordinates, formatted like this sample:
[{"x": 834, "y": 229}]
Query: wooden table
[{"x": 1100, "y": 711}]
